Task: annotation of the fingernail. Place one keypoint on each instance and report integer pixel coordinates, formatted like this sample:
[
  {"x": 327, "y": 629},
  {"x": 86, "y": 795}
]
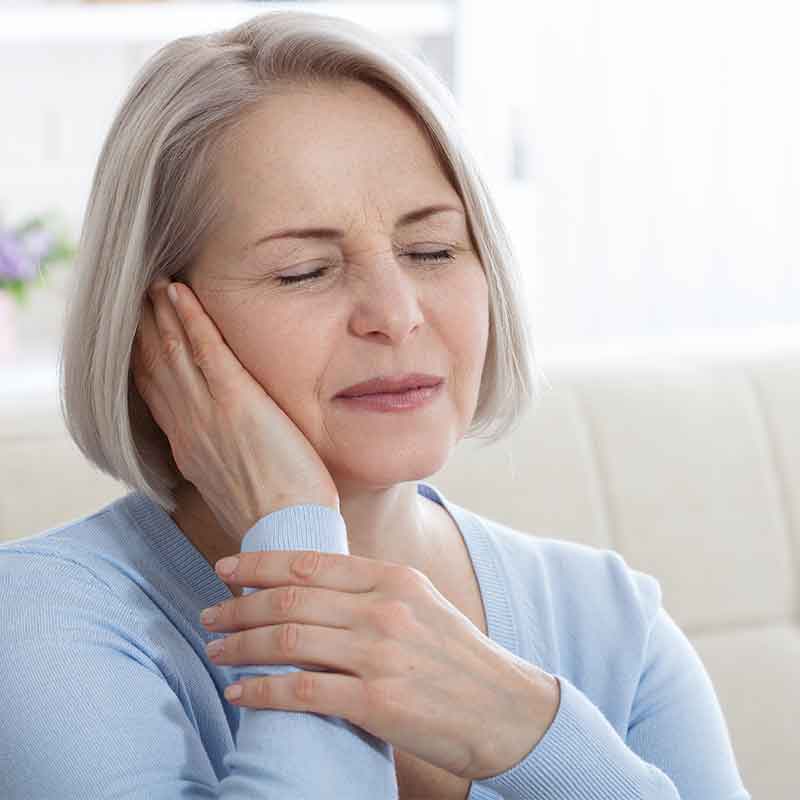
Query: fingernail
[
  {"x": 215, "y": 648},
  {"x": 208, "y": 615},
  {"x": 172, "y": 293},
  {"x": 234, "y": 691},
  {"x": 227, "y": 566}
]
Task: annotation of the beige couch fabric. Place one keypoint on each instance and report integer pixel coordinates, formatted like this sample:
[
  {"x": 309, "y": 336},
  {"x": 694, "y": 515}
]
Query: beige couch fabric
[{"x": 687, "y": 464}]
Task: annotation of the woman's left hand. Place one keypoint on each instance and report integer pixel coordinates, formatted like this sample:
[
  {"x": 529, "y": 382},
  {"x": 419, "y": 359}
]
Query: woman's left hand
[{"x": 409, "y": 667}]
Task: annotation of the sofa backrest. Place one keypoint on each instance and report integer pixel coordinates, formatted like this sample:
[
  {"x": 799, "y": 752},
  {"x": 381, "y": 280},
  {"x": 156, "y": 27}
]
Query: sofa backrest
[{"x": 687, "y": 464}]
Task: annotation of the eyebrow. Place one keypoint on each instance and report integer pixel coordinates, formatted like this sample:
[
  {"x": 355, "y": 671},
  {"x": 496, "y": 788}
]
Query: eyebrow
[{"x": 334, "y": 233}]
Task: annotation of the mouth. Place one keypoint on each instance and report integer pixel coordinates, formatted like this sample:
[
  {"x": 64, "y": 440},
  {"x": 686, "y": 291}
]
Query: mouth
[
  {"x": 400, "y": 384},
  {"x": 407, "y": 401}
]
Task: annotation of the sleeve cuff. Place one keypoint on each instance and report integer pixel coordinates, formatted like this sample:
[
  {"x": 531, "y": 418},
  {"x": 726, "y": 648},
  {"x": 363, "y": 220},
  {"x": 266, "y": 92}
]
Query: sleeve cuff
[
  {"x": 301, "y": 527},
  {"x": 308, "y": 526},
  {"x": 580, "y": 757}
]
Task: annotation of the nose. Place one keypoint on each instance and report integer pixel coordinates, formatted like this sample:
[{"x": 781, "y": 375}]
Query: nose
[{"x": 387, "y": 303}]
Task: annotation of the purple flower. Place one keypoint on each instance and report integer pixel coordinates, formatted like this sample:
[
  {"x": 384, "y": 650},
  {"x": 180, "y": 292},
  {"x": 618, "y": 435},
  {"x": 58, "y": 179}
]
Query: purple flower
[
  {"x": 38, "y": 243},
  {"x": 16, "y": 261}
]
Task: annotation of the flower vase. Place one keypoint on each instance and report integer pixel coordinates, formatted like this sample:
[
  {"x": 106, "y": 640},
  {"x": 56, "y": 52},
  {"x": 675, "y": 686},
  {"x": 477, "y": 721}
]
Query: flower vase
[{"x": 8, "y": 326}]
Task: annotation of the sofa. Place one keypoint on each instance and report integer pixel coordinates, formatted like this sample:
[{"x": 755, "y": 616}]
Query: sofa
[{"x": 684, "y": 459}]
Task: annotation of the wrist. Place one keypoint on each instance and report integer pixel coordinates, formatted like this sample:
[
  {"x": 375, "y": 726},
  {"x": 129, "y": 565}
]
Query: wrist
[{"x": 537, "y": 699}]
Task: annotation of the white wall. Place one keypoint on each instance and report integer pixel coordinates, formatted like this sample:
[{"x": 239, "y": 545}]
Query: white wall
[
  {"x": 660, "y": 145},
  {"x": 644, "y": 155}
]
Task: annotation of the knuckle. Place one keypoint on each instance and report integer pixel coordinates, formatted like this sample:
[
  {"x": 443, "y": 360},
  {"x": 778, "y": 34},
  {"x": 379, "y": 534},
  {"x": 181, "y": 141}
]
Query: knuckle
[
  {"x": 171, "y": 347},
  {"x": 307, "y": 564},
  {"x": 261, "y": 692},
  {"x": 287, "y": 599},
  {"x": 408, "y": 583},
  {"x": 201, "y": 354},
  {"x": 287, "y": 638},
  {"x": 304, "y": 687},
  {"x": 391, "y": 618}
]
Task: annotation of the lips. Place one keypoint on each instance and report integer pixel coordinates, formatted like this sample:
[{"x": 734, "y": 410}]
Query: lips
[{"x": 391, "y": 385}]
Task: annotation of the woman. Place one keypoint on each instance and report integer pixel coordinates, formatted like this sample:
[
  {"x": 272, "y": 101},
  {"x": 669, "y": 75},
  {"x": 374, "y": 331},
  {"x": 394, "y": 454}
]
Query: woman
[{"x": 300, "y": 187}]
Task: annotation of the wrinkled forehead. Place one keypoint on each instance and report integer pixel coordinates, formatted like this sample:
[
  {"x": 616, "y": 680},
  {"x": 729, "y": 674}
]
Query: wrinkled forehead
[{"x": 313, "y": 151}]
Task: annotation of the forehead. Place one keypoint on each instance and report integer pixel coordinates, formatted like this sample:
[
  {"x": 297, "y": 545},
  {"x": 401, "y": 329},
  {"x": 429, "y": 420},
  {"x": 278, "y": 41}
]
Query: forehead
[{"x": 316, "y": 148}]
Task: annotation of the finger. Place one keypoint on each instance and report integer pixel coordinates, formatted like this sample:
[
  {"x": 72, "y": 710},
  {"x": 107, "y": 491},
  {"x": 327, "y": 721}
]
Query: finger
[
  {"x": 339, "y": 571},
  {"x": 222, "y": 370},
  {"x": 145, "y": 359},
  {"x": 304, "y": 604},
  {"x": 184, "y": 378},
  {"x": 307, "y": 645},
  {"x": 145, "y": 342},
  {"x": 321, "y": 692}
]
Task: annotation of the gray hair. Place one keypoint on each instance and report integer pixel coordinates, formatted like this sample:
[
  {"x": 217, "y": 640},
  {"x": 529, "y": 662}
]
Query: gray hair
[{"x": 152, "y": 204}]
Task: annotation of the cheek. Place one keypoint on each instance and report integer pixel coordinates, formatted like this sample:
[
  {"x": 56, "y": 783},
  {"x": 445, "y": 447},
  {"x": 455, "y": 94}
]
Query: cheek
[
  {"x": 468, "y": 316},
  {"x": 278, "y": 351}
]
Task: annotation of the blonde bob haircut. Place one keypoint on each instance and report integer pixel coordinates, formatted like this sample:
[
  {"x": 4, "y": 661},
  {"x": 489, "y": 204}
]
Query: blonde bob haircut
[{"x": 152, "y": 205}]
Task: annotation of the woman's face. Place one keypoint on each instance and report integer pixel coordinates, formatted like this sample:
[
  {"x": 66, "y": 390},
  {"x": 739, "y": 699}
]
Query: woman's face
[{"x": 346, "y": 157}]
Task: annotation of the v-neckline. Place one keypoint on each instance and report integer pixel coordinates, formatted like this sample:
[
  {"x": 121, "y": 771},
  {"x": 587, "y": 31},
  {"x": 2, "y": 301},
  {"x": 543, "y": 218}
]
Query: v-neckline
[
  {"x": 203, "y": 587},
  {"x": 500, "y": 623}
]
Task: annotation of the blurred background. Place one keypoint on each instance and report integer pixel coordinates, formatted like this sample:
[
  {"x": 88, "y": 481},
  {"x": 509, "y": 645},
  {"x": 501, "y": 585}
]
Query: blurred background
[{"x": 644, "y": 154}]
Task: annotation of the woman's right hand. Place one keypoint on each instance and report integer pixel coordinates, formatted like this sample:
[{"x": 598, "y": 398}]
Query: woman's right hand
[{"x": 229, "y": 438}]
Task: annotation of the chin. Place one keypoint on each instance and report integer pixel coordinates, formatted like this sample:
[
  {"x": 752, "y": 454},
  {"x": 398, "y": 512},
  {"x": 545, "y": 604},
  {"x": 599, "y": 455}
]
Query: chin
[{"x": 384, "y": 467}]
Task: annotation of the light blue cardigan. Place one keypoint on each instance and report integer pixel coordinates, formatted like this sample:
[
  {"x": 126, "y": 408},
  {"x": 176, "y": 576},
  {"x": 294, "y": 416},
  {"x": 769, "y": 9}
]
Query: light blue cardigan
[{"x": 107, "y": 690}]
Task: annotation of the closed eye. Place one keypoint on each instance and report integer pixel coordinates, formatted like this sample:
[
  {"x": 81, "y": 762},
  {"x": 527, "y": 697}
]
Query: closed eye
[{"x": 439, "y": 255}]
